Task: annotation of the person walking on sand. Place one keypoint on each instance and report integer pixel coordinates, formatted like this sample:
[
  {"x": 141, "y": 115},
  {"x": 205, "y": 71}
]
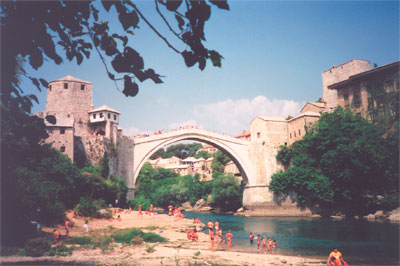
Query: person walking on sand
[
  {"x": 229, "y": 237},
  {"x": 251, "y": 237},
  {"x": 335, "y": 258},
  {"x": 66, "y": 226},
  {"x": 86, "y": 226}
]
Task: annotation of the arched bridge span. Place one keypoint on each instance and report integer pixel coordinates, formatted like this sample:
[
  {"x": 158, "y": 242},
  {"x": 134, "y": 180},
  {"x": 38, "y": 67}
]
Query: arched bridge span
[{"x": 237, "y": 149}]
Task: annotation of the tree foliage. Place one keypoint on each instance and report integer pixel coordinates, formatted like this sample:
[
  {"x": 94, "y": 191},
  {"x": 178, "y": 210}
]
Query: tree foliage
[
  {"x": 226, "y": 193},
  {"x": 181, "y": 151},
  {"x": 219, "y": 162},
  {"x": 72, "y": 30},
  {"x": 163, "y": 187},
  {"x": 342, "y": 165},
  {"x": 202, "y": 154}
]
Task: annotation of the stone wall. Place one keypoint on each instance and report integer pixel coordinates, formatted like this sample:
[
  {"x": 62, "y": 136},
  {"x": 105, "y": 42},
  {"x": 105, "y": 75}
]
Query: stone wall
[
  {"x": 62, "y": 141},
  {"x": 337, "y": 74}
]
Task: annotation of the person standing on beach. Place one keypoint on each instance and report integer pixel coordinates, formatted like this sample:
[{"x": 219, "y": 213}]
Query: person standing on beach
[
  {"x": 264, "y": 244},
  {"x": 66, "y": 227},
  {"x": 151, "y": 208},
  {"x": 251, "y": 236},
  {"x": 229, "y": 237},
  {"x": 258, "y": 243},
  {"x": 170, "y": 207},
  {"x": 86, "y": 226},
  {"x": 210, "y": 226},
  {"x": 335, "y": 258},
  {"x": 140, "y": 210}
]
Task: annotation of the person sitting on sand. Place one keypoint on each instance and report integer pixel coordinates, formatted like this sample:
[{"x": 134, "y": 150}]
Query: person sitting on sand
[
  {"x": 197, "y": 220},
  {"x": 195, "y": 237},
  {"x": 335, "y": 258},
  {"x": 189, "y": 234}
]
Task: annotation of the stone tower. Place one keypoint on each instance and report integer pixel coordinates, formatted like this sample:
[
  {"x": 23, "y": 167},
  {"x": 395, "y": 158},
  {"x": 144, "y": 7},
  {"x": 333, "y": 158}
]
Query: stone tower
[
  {"x": 337, "y": 74},
  {"x": 73, "y": 97}
]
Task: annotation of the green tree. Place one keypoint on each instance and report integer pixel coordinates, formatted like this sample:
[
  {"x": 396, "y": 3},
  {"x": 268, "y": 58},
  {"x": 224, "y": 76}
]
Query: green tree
[
  {"x": 158, "y": 153},
  {"x": 104, "y": 165},
  {"x": 342, "y": 165},
  {"x": 219, "y": 162},
  {"x": 202, "y": 154},
  {"x": 226, "y": 193}
]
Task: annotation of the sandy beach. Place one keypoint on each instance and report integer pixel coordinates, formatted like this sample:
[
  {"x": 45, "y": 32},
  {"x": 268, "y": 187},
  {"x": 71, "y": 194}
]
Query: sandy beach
[{"x": 177, "y": 251}]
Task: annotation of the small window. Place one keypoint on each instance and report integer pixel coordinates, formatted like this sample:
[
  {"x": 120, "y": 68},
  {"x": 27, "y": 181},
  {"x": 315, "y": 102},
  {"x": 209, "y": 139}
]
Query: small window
[
  {"x": 65, "y": 85},
  {"x": 49, "y": 87},
  {"x": 285, "y": 143},
  {"x": 115, "y": 117},
  {"x": 108, "y": 115},
  {"x": 357, "y": 98},
  {"x": 299, "y": 132},
  {"x": 62, "y": 131},
  {"x": 62, "y": 149},
  {"x": 82, "y": 87},
  {"x": 370, "y": 103},
  {"x": 258, "y": 135},
  {"x": 50, "y": 130},
  {"x": 94, "y": 116},
  {"x": 101, "y": 115},
  {"x": 294, "y": 134},
  {"x": 346, "y": 99},
  {"x": 290, "y": 135}
]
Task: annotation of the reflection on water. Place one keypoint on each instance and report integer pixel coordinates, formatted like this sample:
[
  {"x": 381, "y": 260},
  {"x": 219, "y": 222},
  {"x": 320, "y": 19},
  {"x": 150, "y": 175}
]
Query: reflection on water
[{"x": 361, "y": 242}]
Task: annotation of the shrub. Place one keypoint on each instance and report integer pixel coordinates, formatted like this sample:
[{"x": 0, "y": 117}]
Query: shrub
[
  {"x": 86, "y": 207},
  {"x": 152, "y": 238},
  {"x": 79, "y": 240},
  {"x": 150, "y": 249},
  {"x": 37, "y": 247},
  {"x": 126, "y": 235},
  {"x": 101, "y": 241},
  {"x": 60, "y": 251}
]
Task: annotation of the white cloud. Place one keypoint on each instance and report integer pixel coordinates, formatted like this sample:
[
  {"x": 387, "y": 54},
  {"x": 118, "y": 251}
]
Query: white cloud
[
  {"x": 233, "y": 116},
  {"x": 130, "y": 131}
]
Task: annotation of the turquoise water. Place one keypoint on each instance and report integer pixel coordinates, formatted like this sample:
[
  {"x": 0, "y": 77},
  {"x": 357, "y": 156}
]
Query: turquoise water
[{"x": 361, "y": 242}]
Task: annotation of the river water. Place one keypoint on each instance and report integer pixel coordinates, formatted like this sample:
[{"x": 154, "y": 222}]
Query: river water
[{"x": 361, "y": 242}]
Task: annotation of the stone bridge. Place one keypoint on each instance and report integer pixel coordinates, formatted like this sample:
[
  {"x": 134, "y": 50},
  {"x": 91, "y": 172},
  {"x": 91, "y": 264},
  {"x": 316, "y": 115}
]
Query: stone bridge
[{"x": 254, "y": 159}]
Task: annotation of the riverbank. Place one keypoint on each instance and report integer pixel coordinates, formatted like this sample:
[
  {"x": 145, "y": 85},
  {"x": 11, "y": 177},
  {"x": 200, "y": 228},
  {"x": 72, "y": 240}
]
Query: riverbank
[{"x": 177, "y": 251}]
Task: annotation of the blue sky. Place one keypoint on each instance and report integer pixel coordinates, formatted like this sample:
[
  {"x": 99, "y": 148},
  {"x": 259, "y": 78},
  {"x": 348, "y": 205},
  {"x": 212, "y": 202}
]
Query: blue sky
[{"x": 274, "y": 54}]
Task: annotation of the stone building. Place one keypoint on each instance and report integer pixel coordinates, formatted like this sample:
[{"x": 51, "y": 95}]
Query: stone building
[
  {"x": 371, "y": 93},
  {"x": 80, "y": 131}
]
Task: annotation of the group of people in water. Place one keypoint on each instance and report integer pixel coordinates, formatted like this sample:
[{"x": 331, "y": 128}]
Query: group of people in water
[{"x": 267, "y": 244}]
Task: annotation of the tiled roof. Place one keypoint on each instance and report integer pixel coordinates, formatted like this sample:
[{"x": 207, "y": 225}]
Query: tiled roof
[
  {"x": 104, "y": 108},
  {"x": 245, "y": 133}
]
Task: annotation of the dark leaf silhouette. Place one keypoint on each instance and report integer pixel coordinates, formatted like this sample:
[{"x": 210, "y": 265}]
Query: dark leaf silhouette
[
  {"x": 173, "y": 5},
  {"x": 51, "y": 119},
  {"x": 130, "y": 88},
  {"x": 223, "y": 4}
]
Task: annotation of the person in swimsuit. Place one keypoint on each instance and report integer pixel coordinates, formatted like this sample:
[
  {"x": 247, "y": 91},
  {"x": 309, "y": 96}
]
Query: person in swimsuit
[
  {"x": 229, "y": 237},
  {"x": 335, "y": 258},
  {"x": 251, "y": 237},
  {"x": 258, "y": 243}
]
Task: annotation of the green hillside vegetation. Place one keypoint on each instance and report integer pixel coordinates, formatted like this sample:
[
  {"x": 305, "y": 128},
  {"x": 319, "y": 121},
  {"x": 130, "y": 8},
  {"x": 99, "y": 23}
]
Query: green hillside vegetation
[{"x": 163, "y": 187}]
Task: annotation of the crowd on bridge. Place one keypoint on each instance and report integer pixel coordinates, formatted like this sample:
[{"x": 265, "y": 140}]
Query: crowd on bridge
[{"x": 162, "y": 131}]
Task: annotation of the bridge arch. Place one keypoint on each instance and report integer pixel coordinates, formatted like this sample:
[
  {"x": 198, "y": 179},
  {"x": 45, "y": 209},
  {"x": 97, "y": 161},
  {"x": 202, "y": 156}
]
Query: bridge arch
[{"x": 236, "y": 149}]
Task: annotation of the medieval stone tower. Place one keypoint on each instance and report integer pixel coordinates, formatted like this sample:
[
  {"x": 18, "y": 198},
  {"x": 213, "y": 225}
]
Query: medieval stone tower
[
  {"x": 80, "y": 131},
  {"x": 72, "y": 96}
]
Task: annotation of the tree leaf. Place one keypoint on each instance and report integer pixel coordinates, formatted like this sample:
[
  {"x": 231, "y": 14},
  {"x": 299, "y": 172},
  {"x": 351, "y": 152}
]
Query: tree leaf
[
  {"x": 44, "y": 83},
  {"x": 128, "y": 19},
  {"x": 223, "y": 4},
  {"x": 173, "y": 5},
  {"x": 153, "y": 75},
  {"x": 131, "y": 89},
  {"x": 36, "y": 83},
  {"x": 107, "y": 4},
  {"x": 33, "y": 97},
  {"x": 190, "y": 58},
  {"x": 202, "y": 63},
  {"x": 51, "y": 119}
]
